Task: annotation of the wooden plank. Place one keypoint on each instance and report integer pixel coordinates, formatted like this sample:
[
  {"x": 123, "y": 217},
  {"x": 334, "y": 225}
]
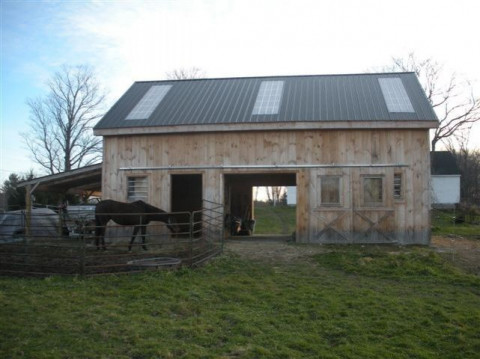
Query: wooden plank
[{"x": 277, "y": 126}]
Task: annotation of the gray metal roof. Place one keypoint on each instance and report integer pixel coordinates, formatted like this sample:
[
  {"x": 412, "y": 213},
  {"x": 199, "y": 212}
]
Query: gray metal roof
[{"x": 356, "y": 97}]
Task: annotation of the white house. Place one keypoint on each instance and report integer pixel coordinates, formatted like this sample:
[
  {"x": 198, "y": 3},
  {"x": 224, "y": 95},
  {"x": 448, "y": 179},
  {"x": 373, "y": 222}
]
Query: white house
[{"x": 445, "y": 179}]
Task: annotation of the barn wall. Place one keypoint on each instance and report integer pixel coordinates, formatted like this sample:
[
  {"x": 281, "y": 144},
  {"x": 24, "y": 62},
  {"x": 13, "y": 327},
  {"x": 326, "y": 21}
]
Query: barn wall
[{"x": 405, "y": 220}]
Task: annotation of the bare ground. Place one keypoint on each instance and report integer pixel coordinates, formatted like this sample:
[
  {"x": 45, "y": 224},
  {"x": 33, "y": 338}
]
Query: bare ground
[{"x": 463, "y": 253}]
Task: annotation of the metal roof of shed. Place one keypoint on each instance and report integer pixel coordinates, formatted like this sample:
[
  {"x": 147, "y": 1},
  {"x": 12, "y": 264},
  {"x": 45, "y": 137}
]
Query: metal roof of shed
[
  {"x": 314, "y": 98},
  {"x": 444, "y": 163}
]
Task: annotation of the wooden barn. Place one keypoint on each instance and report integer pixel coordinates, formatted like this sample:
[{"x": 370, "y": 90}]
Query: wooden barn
[{"x": 355, "y": 146}]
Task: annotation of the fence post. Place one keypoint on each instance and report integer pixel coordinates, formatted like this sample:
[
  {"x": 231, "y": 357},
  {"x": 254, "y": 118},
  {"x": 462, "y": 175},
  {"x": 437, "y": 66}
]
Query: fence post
[
  {"x": 28, "y": 211},
  {"x": 191, "y": 238},
  {"x": 83, "y": 252}
]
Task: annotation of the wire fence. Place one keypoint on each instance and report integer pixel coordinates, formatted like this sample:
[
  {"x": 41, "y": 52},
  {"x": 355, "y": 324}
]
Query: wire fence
[
  {"x": 48, "y": 243},
  {"x": 456, "y": 222}
]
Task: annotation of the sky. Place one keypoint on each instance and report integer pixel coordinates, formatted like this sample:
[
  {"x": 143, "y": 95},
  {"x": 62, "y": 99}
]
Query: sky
[{"x": 127, "y": 41}]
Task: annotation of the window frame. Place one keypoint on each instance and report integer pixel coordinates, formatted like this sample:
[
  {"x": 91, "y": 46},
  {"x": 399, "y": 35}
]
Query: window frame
[
  {"x": 401, "y": 196},
  {"x": 340, "y": 202},
  {"x": 137, "y": 197},
  {"x": 380, "y": 203}
]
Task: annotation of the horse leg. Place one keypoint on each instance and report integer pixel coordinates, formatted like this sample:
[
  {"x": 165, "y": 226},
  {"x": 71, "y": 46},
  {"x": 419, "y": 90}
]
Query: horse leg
[
  {"x": 135, "y": 231},
  {"x": 100, "y": 234},
  {"x": 144, "y": 231}
]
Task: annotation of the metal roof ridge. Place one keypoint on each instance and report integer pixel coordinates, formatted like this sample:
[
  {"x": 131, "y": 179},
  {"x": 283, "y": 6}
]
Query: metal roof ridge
[{"x": 281, "y": 76}]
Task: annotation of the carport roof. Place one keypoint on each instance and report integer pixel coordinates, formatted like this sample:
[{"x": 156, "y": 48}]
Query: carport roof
[{"x": 88, "y": 178}]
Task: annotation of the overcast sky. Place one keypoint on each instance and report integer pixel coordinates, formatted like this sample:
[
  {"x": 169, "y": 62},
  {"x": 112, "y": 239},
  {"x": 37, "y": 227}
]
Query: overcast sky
[{"x": 127, "y": 41}]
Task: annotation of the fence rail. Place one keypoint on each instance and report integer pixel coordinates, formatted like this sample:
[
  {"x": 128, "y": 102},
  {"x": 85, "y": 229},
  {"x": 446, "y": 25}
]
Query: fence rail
[
  {"x": 59, "y": 243},
  {"x": 455, "y": 222}
]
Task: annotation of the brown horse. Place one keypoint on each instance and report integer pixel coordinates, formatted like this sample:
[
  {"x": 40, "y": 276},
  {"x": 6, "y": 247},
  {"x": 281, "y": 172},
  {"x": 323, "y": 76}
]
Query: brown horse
[{"x": 137, "y": 214}]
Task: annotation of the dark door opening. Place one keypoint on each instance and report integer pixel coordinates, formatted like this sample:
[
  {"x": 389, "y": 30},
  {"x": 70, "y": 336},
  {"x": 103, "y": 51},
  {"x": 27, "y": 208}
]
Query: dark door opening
[{"x": 187, "y": 197}]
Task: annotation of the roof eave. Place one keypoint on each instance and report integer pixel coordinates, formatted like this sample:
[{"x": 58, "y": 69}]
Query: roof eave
[{"x": 277, "y": 126}]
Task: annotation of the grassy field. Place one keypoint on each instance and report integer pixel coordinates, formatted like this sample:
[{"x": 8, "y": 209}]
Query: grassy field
[
  {"x": 275, "y": 220},
  {"x": 350, "y": 302}
]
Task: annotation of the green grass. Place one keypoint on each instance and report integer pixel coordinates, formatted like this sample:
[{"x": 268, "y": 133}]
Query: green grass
[
  {"x": 443, "y": 224},
  {"x": 275, "y": 220},
  {"x": 353, "y": 302}
]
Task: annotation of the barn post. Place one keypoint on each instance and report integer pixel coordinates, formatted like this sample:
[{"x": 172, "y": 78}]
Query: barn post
[{"x": 28, "y": 210}]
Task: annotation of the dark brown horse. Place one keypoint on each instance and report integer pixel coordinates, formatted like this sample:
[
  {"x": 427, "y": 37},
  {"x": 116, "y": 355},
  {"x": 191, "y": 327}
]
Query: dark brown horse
[{"x": 137, "y": 214}]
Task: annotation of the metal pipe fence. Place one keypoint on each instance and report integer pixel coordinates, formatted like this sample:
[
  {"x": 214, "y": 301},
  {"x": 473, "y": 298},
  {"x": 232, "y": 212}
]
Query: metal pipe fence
[{"x": 64, "y": 243}]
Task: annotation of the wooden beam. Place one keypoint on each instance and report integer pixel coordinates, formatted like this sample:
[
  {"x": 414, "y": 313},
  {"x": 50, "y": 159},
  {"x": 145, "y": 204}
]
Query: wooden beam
[{"x": 277, "y": 126}]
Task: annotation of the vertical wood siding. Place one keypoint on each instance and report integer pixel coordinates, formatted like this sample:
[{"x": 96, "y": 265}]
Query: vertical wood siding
[{"x": 408, "y": 221}]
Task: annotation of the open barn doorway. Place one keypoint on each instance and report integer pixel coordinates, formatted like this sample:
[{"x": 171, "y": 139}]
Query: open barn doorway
[
  {"x": 187, "y": 197},
  {"x": 248, "y": 213}
]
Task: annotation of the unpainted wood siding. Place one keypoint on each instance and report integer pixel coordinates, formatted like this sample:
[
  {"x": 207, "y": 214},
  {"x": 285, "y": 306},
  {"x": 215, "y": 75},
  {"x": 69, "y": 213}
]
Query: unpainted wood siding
[{"x": 405, "y": 220}]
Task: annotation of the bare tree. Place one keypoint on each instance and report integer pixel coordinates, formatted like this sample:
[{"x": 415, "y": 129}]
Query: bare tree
[
  {"x": 274, "y": 194},
  {"x": 468, "y": 161},
  {"x": 184, "y": 74},
  {"x": 60, "y": 137},
  {"x": 453, "y": 100}
]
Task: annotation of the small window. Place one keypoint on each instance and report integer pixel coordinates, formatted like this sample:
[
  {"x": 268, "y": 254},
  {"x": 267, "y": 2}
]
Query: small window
[
  {"x": 330, "y": 190},
  {"x": 137, "y": 189},
  {"x": 397, "y": 186},
  {"x": 372, "y": 191}
]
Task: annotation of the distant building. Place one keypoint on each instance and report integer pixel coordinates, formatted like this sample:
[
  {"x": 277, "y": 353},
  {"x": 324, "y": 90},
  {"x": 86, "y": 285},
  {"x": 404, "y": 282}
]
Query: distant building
[
  {"x": 291, "y": 195},
  {"x": 445, "y": 179}
]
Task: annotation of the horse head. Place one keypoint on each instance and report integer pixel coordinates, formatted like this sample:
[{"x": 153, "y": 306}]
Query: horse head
[{"x": 172, "y": 225}]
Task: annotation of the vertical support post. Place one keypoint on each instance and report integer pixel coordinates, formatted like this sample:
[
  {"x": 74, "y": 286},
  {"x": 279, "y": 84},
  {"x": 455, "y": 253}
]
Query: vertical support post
[
  {"x": 28, "y": 211},
  {"x": 221, "y": 220},
  {"x": 82, "y": 255},
  {"x": 61, "y": 221},
  {"x": 191, "y": 238}
]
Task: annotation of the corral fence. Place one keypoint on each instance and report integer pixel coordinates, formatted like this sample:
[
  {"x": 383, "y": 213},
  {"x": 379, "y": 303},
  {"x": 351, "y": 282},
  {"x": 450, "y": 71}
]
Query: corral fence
[
  {"x": 456, "y": 222},
  {"x": 47, "y": 243}
]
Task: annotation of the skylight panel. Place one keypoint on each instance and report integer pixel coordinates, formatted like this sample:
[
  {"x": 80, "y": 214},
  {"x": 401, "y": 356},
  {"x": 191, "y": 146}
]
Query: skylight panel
[
  {"x": 268, "y": 98},
  {"x": 149, "y": 102},
  {"x": 395, "y": 95}
]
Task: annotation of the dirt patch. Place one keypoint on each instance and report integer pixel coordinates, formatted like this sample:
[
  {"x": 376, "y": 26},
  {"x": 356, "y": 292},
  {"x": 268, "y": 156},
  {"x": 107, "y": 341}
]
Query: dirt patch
[
  {"x": 462, "y": 252},
  {"x": 272, "y": 250}
]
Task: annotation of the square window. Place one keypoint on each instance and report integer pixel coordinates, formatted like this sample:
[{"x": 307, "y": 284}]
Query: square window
[
  {"x": 372, "y": 191},
  {"x": 137, "y": 189},
  {"x": 330, "y": 190}
]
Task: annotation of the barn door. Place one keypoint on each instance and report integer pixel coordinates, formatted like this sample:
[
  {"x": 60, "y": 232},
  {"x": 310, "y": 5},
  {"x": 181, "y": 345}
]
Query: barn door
[
  {"x": 353, "y": 205},
  {"x": 372, "y": 206},
  {"x": 332, "y": 211}
]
